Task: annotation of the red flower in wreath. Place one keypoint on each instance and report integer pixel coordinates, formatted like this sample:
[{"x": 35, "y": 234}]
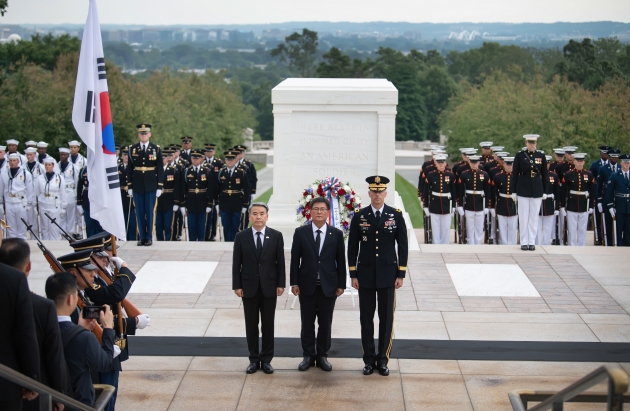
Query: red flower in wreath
[
  {"x": 349, "y": 206},
  {"x": 341, "y": 192},
  {"x": 304, "y": 194}
]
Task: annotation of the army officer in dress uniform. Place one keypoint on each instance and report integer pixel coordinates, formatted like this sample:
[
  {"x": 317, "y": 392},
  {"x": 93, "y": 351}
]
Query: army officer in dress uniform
[
  {"x": 168, "y": 203},
  {"x": 618, "y": 200},
  {"x": 529, "y": 180},
  {"x": 195, "y": 198},
  {"x": 145, "y": 176},
  {"x": 231, "y": 194},
  {"x": 214, "y": 165},
  {"x": 376, "y": 270}
]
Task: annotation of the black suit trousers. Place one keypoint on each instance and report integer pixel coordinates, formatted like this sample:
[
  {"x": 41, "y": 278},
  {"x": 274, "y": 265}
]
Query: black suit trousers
[
  {"x": 386, "y": 307},
  {"x": 321, "y": 307},
  {"x": 264, "y": 308}
]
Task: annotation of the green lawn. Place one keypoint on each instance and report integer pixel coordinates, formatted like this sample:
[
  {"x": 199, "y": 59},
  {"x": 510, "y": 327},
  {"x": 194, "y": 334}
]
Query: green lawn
[
  {"x": 409, "y": 195},
  {"x": 264, "y": 197},
  {"x": 259, "y": 166}
]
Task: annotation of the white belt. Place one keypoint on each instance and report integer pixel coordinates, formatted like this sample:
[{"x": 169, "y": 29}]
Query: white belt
[
  {"x": 475, "y": 192},
  {"x": 433, "y": 193},
  {"x": 17, "y": 195},
  {"x": 550, "y": 196},
  {"x": 579, "y": 193},
  {"x": 72, "y": 186},
  {"x": 505, "y": 195}
]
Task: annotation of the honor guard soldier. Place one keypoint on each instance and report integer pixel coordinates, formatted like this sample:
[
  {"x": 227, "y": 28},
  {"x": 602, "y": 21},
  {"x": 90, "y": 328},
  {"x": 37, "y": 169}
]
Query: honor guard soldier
[
  {"x": 603, "y": 176},
  {"x": 50, "y": 195},
  {"x": 214, "y": 165},
  {"x": 377, "y": 270},
  {"x": 36, "y": 170},
  {"x": 427, "y": 168},
  {"x": 12, "y": 146},
  {"x": 250, "y": 169},
  {"x": 70, "y": 175},
  {"x": 504, "y": 205},
  {"x": 473, "y": 198},
  {"x": 548, "y": 229},
  {"x": 168, "y": 203},
  {"x": 529, "y": 181},
  {"x": 594, "y": 169},
  {"x": 465, "y": 163},
  {"x": 76, "y": 158},
  {"x": 42, "y": 148},
  {"x": 439, "y": 199},
  {"x": 129, "y": 211},
  {"x": 486, "y": 152},
  {"x": 16, "y": 189},
  {"x": 618, "y": 201},
  {"x": 186, "y": 151},
  {"x": 578, "y": 198},
  {"x": 4, "y": 160},
  {"x": 92, "y": 226},
  {"x": 195, "y": 198},
  {"x": 231, "y": 194},
  {"x": 487, "y": 166},
  {"x": 145, "y": 176},
  {"x": 567, "y": 164},
  {"x": 559, "y": 159}
]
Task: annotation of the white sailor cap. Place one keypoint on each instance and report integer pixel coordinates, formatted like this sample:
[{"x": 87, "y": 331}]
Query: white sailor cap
[
  {"x": 474, "y": 158},
  {"x": 531, "y": 137},
  {"x": 30, "y": 150},
  {"x": 14, "y": 155},
  {"x": 31, "y": 143},
  {"x": 559, "y": 151},
  {"x": 579, "y": 156},
  {"x": 74, "y": 143},
  {"x": 12, "y": 141},
  {"x": 42, "y": 144},
  {"x": 569, "y": 149},
  {"x": 548, "y": 158},
  {"x": 440, "y": 157},
  {"x": 508, "y": 159},
  {"x": 64, "y": 150},
  {"x": 49, "y": 160},
  {"x": 485, "y": 144},
  {"x": 497, "y": 148}
]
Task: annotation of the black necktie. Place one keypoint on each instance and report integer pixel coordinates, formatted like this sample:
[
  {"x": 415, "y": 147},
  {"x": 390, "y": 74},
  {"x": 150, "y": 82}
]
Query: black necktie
[
  {"x": 318, "y": 240},
  {"x": 258, "y": 243},
  {"x": 626, "y": 175},
  {"x": 378, "y": 214}
]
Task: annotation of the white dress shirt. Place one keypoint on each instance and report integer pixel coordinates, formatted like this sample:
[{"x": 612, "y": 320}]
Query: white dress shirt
[
  {"x": 374, "y": 210},
  {"x": 323, "y": 235},
  {"x": 63, "y": 318},
  {"x": 262, "y": 235}
]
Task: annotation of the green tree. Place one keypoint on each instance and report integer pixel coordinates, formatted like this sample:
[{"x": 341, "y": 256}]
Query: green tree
[
  {"x": 336, "y": 64},
  {"x": 438, "y": 87},
  {"x": 3, "y": 6},
  {"x": 588, "y": 64},
  {"x": 40, "y": 50},
  {"x": 299, "y": 51}
]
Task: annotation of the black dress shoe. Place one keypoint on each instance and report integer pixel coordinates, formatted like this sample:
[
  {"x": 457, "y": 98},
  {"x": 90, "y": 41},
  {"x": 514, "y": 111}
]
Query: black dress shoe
[
  {"x": 524, "y": 248},
  {"x": 323, "y": 363},
  {"x": 532, "y": 248},
  {"x": 383, "y": 370},
  {"x": 267, "y": 368},
  {"x": 213, "y": 238},
  {"x": 306, "y": 363},
  {"x": 368, "y": 369},
  {"x": 490, "y": 241},
  {"x": 140, "y": 242},
  {"x": 253, "y": 367},
  {"x": 148, "y": 243}
]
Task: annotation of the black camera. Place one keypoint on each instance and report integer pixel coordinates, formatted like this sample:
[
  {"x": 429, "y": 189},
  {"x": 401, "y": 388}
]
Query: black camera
[{"x": 92, "y": 312}]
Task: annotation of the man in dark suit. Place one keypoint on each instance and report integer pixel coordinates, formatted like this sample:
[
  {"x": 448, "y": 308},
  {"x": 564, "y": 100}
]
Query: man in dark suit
[
  {"x": 318, "y": 276},
  {"x": 145, "y": 178},
  {"x": 82, "y": 350},
  {"x": 259, "y": 277},
  {"x": 18, "y": 341},
  {"x": 17, "y": 253},
  {"x": 377, "y": 270}
]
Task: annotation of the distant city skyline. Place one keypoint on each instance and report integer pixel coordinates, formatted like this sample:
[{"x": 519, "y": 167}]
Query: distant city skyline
[{"x": 191, "y": 12}]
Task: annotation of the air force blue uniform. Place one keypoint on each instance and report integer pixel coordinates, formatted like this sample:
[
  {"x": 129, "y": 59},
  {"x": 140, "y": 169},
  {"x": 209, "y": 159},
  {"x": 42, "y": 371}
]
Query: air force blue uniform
[{"x": 618, "y": 197}]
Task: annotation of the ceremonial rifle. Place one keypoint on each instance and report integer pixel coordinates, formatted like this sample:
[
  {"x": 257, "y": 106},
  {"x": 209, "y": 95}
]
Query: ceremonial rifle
[
  {"x": 132, "y": 310},
  {"x": 604, "y": 227},
  {"x": 57, "y": 268},
  {"x": 123, "y": 341}
]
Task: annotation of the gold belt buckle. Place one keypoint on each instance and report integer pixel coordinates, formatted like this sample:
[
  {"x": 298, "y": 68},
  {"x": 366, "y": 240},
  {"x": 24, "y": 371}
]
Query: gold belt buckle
[{"x": 121, "y": 343}]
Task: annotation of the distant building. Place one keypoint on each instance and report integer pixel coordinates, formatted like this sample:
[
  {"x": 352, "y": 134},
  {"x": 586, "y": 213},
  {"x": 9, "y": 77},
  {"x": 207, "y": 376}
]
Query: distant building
[{"x": 135, "y": 36}]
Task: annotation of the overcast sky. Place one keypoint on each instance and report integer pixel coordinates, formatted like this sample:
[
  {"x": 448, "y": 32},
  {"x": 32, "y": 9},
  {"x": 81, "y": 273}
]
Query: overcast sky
[{"x": 167, "y": 12}]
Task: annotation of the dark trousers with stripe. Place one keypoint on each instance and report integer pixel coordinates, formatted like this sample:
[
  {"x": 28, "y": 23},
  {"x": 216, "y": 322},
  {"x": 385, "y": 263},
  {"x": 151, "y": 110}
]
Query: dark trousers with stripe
[
  {"x": 130, "y": 223},
  {"x": 196, "y": 226},
  {"x": 230, "y": 223},
  {"x": 145, "y": 206},
  {"x": 368, "y": 298},
  {"x": 623, "y": 229},
  {"x": 163, "y": 225},
  {"x": 211, "y": 227}
]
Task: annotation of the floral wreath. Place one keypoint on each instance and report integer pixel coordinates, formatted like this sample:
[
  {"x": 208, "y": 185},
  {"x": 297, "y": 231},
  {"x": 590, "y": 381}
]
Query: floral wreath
[{"x": 343, "y": 203}]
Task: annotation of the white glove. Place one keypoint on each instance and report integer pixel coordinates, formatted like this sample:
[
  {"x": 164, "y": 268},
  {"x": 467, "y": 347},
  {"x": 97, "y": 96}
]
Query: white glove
[
  {"x": 80, "y": 210},
  {"x": 182, "y": 210},
  {"x": 600, "y": 208},
  {"x": 116, "y": 351},
  {"x": 252, "y": 196},
  {"x": 208, "y": 210},
  {"x": 175, "y": 207},
  {"x": 556, "y": 212},
  {"x": 426, "y": 211},
  {"x": 216, "y": 207},
  {"x": 544, "y": 196},
  {"x": 590, "y": 211},
  {"x": 130, "y": 191},
  {"x": 158, "y": 193},
  {"x": 493, "y": 212},
  {"x": 612, "y": 212},
  {"x": 143, "y": 321},
  {"x": 118, "y": 261},
  {"x": 452, "y": 211},
  {"x": 563, "y": 211},
  {"x": 243, "y": 210},
  {"x": 514, "y": 197},
  {"x": 460, "y": 210},
  {"x": 485, "y": 211}
]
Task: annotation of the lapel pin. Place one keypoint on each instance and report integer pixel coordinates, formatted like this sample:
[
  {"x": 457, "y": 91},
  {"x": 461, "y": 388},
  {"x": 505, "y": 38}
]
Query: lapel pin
[{"x": 267, "y": 237}]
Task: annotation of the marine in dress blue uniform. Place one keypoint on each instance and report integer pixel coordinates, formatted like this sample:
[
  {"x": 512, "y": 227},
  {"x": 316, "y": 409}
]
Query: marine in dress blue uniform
[
  {"x": 618, "y": 200},
  {"x": 145, "y": 179},
  {"x": 377, "y": 270}
]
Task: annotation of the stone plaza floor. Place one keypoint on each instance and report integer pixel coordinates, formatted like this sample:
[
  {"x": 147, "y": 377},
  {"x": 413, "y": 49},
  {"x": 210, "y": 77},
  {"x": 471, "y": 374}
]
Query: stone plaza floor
[{"x": 452, "y": 293}]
